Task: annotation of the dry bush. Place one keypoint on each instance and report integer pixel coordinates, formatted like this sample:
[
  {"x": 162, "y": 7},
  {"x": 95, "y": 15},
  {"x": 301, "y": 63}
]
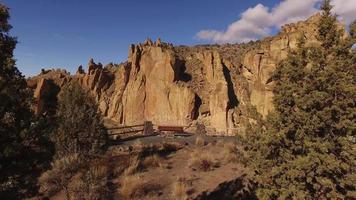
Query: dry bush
[
  {"x": 202, "y": 161},
  {"x": 161, "y": 149},
  {"x": 134, "y": 187},
  {"x": 230, "y": 152},
  {"x": 130, "y": 185},
  {"x": 199, "y": 141},
  {"x": 92, "y": 185},
  {"x": 168, "y": 147},
  {"x": 141, "y": 162},
  {"x": 180, "y": 189},
  {"x": 56, "y": 179},
  {"x": 152, "y": 161},
  {"x": 133, "y": 167}
]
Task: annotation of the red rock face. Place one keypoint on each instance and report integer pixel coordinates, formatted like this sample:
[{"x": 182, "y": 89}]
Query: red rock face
[{"x": 213, "y": 85}]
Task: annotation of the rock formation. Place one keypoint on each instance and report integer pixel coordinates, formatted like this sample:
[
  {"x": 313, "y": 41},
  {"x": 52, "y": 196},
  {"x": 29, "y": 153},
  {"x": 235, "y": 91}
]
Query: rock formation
[
  {"x": 224, "y": 87},
  {"x": 152, "y": 92}
]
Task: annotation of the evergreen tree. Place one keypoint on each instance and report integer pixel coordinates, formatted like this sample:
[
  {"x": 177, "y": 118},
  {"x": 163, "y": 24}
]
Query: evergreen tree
[
  {"x": 13, "y": 110},
  {"x": 14, "y": 104},
  {"x": 20, "y": 130},
  {"x": 307, "y": 150},
  {"x": 80, "y": 129}
]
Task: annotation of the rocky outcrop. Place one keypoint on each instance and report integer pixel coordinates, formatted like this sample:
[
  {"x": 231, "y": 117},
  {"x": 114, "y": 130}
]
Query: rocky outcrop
[
  {"x": 258, "y": 64},
  {"x": 42, "y": 89},
  {"x": 218, "y": 91},
  {"x": 224, "y": 87},
  {"x": 152, "y": 92}
]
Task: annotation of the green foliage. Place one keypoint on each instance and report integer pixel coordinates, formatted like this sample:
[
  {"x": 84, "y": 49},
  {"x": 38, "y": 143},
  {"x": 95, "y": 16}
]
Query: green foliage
[
  {"x": 307, "y": 149},
  {"x": 329, "y": 34},
  {"x": 23, "y": 141},
  {"x": 13, "y": 109},
  {"x": 80, "y": 129}
]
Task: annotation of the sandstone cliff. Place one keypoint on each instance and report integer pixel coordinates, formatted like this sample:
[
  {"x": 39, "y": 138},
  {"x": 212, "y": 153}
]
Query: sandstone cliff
[{"x": 224, "y": 87}]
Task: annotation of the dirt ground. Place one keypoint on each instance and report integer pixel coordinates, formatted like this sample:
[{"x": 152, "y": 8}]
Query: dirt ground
[
  {"x": 176, "y": 169},
  {"x": 167, "y": 168}
]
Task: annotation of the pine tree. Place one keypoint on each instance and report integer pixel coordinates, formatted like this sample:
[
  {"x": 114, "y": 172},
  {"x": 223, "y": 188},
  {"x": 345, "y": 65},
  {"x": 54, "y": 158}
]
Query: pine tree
[{"x": 307, "y": 150}]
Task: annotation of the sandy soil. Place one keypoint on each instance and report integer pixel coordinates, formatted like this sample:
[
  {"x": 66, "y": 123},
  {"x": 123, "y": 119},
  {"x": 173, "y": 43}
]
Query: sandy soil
[{"x": 175, "y": 166}]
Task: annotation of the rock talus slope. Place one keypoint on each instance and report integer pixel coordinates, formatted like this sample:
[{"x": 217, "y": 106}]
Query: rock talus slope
[{"x": 224, "y": 87}]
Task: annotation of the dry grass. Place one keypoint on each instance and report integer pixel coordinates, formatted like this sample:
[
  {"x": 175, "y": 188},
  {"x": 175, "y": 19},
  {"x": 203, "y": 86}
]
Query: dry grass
[
  {"x": 131, "y": 185},
  {"x": 133, "y": 167},
  {"x": 168, "y": 147},
  {"x": 200, "y": 160},
  {"x": 180, "y": 190},
  {"x": 56, "y": 179},
  {"x": 199, "y": 141},
  {"x": 138, "y": 163},
  {"x": 149, "y": 156},
  {"x": 91, "y": 185},
  {"x": 230, "y": 152},
  {"x": 152, "y": 161},
  {"x": 134, "y": 187}
]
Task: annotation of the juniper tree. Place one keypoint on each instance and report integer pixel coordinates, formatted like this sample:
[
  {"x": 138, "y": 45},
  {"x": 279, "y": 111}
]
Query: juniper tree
[
  {"x": 80, "y": 129},
  {"x": 20, "y": 130},
  {"x": 307, "y": 150}
]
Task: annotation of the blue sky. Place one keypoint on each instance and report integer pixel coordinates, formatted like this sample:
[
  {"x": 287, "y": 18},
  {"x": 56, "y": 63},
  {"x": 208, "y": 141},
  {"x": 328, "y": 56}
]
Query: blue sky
[{"x": 66, "y": 33}]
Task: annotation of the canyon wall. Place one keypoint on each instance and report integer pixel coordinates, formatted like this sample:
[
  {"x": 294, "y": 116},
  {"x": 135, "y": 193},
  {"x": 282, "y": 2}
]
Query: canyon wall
[{"x": 224, "y": 87}]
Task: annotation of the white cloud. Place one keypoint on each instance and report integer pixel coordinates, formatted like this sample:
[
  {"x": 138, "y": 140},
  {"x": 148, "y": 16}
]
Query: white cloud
[
  {"x": 346, "y": 9},
  {"x": 258, "y": 21},
  {"x": 292, "y": 10},
  {"x": 251, "y": 26}
]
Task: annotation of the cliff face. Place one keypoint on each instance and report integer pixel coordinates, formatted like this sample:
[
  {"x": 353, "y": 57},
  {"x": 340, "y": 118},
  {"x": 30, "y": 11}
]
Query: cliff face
[
  {"x": 258, "y": 64},
  {"x": 152, "y": 91},
  {"x": 216, "y": 85}
]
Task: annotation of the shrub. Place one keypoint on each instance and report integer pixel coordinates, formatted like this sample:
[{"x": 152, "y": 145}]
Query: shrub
[
  {"x": 58, "y": 177},
  {"x": 201, "y": 161},
  {"x": 80, "y": 126},
  {"x": 152, "y": 161},
  {"x": 230, "y": 152},
  {"x": 180, "y": 189},
  {"x": 134, "y": 187},
  {"x": 92, "y": 185},
  {"x": 134, "y": 166},
  {"x": 168, "y": 147}
]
